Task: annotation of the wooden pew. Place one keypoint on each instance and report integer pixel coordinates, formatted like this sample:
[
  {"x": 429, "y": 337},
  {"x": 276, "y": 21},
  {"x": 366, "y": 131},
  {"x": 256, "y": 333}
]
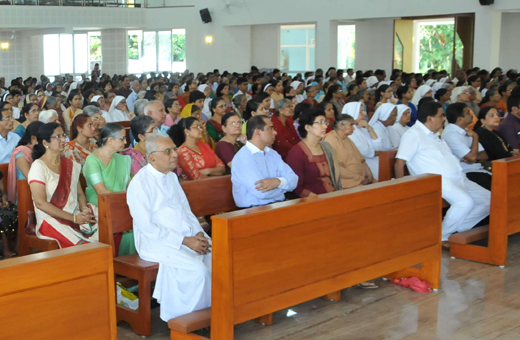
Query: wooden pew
[
  {"x": 504, "y": 218},
  {"x": 60, "y": 294},
  {"x": 387, "y": 170},
  {"x": 206, "y": 197},
  {"x": 26, "y": 243},
  {"x": 3, "y": 169},
  {"x": 269, "y": 258}
]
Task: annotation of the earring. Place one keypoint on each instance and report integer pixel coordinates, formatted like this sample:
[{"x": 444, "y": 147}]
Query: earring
[{"x": 46, "y": 146}]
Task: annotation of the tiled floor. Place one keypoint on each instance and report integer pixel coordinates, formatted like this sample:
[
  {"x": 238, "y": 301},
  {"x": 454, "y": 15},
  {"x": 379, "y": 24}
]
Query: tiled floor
[{"x": 476, "y": 301}]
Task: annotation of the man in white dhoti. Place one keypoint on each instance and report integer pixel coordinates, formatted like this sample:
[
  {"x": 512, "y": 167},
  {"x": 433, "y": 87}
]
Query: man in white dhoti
[{"x": 167, "y": 232}]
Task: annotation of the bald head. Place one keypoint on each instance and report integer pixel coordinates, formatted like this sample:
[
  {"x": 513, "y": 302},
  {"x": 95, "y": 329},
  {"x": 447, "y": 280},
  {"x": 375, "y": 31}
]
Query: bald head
[
  {"x": 136, "y": 86},
  {"x": 155, "y": 109}
]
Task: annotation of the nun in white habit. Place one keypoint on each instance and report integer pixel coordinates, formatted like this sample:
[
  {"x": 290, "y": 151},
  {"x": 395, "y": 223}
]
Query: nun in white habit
[
  {"x": 383, "y": 118},
  {"x": 295, "y": 85},
  {"x": 372, "y": 82},
  {"x": 364, "y": 136},
  {"x": 117, "y": 112},
  {"x": 422, "y": 91},
  {"x": 399, "y": 127}
]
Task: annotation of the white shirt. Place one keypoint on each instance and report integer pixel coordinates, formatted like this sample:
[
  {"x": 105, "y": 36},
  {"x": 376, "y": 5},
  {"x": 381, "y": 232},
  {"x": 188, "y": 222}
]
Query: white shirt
[
  {"x": 16, "y": 112},
  {"x": 426, "y": 153},
  {"x": 460, "y": 144},
  {"x": 248, "y": 96}
]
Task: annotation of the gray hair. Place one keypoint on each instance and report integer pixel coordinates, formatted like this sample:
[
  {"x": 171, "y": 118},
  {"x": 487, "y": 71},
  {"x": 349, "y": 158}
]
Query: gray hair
[
  {"x": 51, "y": 101},
  {"x": 150, "y": 104},
  {"x": 139, "y": 125},
  {"x": 169, "y": 95},
  {"x": 110, "y": 130},
  {"x": 139, "y": 106},
  {"x": 281, "y": 105},
  {"x": 237, "y": 100},
  {"x": 151, "y": 143},
  {"x": 45, "y": 116},
  {"x": 92, "y": 110}
]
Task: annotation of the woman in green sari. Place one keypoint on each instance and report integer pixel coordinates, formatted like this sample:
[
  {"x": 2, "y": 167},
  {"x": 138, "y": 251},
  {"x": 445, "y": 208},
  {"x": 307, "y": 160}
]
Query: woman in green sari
[{"x": 107, "y": 171}]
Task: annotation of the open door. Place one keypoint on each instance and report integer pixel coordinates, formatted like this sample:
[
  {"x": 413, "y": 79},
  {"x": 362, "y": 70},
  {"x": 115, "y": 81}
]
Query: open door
[
  {"x": 403, "y": 45},
  {"x": 463, "y": 42}
]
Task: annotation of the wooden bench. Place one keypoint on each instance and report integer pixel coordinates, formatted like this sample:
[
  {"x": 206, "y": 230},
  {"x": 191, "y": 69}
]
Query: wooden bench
[
  {"x": 387, "y": 169},
  {"x": 269, "y": 258},
  {"x": 206, "y": 197},
  {"x": 504, "y": 218},
  {"x": 59, "y": 294},
  {"x": 4, "y": 170}
]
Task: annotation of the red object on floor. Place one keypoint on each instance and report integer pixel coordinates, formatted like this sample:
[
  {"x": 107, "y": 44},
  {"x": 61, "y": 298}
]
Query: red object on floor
[{"x": 414, "y": 283}]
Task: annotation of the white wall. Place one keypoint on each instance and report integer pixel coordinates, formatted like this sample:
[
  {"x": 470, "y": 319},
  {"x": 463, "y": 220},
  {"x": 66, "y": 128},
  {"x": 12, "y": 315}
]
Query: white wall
[
  {"x": 265, "y": 46},
  {"x": 374, "y": 44},
  {"x": 11, "y": 61},
  {"x": 509, "y": 56}
]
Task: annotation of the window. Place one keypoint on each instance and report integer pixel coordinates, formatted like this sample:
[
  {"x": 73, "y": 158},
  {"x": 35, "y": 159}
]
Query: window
[
  {"x": 346, "y": 46},
  {"x": 71, "y": 53},
  {"x": 434, "y": 47},
  {"x": 156, "y": 51},
  {"x": 297, "y": 48}
]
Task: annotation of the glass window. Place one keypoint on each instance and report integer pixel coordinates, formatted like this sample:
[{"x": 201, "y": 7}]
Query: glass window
[
  {"x": 51, "y": 54},
  {"x": 178, "y": 50},
  {"x": 80, "y": 53},
  {"x": 149, "y": 52},
  {"x": 297, "y": 48},
  {"x": 165, "y": 51},
  {"x": 94, "y": 46},
  {"x": 346, "y": 46},
  {"x": 436, "y": 45},
  {"x": 66, "y": 54}
]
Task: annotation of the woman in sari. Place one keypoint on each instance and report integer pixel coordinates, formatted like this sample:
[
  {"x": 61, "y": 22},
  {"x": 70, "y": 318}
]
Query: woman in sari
[
  {"x": 21, "y": 159},
  {"x": 214, "y": 125},
  {"x": 229, "y": 145},
  {"x": 74, "y": 109},
  {"x": 192, "y": 110},
  {"x": 354, "y": 169},
  {"x": 62, "y": 212},
  {"x": 118, "y": 111},
  {"x": 83, "y": 142},
  {"x": 286, "y": 135},
  {"x": 312, "y": 160},
  {"x": 30, "y": 113},
  {"x": 107, "y": 171},
  {"x": 141, "y": 127},
  {"x": 173, "y": 107},
  {"x": 196, "y": 158}
]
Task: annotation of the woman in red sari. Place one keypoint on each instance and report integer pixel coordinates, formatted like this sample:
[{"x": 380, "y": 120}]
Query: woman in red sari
[
  {"x": 62, "y": 213},
  {"x": 196, "y": 158},
  {"x": 286, "y": 135}
]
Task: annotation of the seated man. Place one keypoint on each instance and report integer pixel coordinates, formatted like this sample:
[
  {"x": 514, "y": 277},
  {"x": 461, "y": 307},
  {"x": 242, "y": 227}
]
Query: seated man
[
  {"x": 464, "y": 144},
  {"x": 259, "y": 175},
  {"x": 167, "y": 232},
  {"x": 423, "y": 152},
  {"x": 8, "y": 140},
  {"x": 509, "y": 128}
]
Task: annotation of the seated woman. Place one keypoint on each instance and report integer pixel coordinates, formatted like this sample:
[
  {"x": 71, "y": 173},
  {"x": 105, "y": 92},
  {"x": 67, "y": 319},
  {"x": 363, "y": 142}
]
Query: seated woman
[
  {"x": 118, "y": 111},
  {"x": 494, "y": 144},
  {"x": 74, "y": 109},
  {"x": 397, "y": 130},
  {"x": 173, "y": 107},
  {"x": 83, "y": 142},
  {"x": 196, "y": 158},
  {"x": 141, "y": 127},
  {"x": 239, "y": 103},
  {"x": 330, "y": 113},
  {"x": 422, "y": 91},
  {"x": 383, "y": 118},
  {"x": 96, "y": 114},
  {"x": 21, "y": 159},
  {"x": 229, "y": 145},
  {"x": 256, "y": 106},
  {"x": 192, "y": 110},
  {"x": 364, "y": 136},
  {"x": 107, "y": 171},
  {"x": 217, "y": 108},
  {"x": 384, "y": 95},
  {"x": 286, "y": 135},
  {"x": 30, "y": 113},
  {"x": 8, "y": 221},
  {"x": 313, "y": 160},
  {"x": 354, "y": 169},
  {"x": 48, "y": 116},
  {"x": 62, "y": 212},
  {"x": 206, "y": 90},
  {"x": 223, "y": 91}
]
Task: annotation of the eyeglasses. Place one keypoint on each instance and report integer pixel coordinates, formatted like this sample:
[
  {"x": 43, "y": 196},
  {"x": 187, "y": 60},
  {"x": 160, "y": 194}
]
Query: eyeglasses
[
  {"x": 221, "y": 106},
  {"x": 167, "y": 152},
  {"x": 5, "y": 119},
  {"x": 321, "y": 122},
  {"x": 198, "y": 127},
  {"x": 239, "y": 123},
  {"x": 64, "y": 136},
  {"x": 35, "y": 110}
]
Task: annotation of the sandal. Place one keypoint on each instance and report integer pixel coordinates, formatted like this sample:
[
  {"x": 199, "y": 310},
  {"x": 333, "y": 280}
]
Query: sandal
[{"x": 368, "y": 285}]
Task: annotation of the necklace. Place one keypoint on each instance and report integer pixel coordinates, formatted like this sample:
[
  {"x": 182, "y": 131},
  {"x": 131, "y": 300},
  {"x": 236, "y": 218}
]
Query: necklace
[{"x": 57, "y": 163}]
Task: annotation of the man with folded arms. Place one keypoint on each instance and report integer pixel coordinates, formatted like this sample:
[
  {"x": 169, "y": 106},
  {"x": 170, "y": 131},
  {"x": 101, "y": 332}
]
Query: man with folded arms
[
  {"x": 167, "y": 232},
  {"x": 259, "y": 175}
]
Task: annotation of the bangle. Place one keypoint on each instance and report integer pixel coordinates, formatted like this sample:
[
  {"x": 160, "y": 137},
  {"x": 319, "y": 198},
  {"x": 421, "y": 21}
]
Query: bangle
[{"x": 74, "y": 218}]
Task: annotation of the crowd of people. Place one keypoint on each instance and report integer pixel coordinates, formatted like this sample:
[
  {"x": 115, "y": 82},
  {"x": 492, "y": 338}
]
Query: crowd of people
[{"x": 279, "y": 137}]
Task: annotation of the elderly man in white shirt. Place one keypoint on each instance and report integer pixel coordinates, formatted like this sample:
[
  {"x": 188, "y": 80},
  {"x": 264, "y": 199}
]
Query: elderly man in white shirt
[
  {"x": 422, "y": 151},
  {"x": 465, "y": 145},
  {"x": 167, "y": 232}
]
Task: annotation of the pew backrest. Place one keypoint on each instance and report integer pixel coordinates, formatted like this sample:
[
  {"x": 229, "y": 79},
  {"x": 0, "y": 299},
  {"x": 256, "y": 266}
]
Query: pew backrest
[
  {"x": 272, "y": 257},
  {"x": 386, "y": 165},
  {"x": 59, "y": 294},
  {"x": 505, "y": 195},
  {"x": 4, "y": 169},
  {"x": 124, "y": 123}
]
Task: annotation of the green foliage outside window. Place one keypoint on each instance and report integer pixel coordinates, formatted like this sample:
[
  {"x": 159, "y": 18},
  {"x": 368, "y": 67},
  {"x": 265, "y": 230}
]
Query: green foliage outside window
[
  {"x": 436, "y": 48},
  {"x": 179, "y": 47}
]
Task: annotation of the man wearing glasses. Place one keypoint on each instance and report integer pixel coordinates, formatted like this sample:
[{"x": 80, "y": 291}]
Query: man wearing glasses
[
  {"x": 8, "y": 139},
  {"x": 167, "y": 232}
]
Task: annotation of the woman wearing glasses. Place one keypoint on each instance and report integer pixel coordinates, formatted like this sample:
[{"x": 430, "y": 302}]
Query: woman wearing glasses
[
  {"x": 62, "y": 212},
  {"x": 196, "y": 158},
  {"x": 229, "y": 145},
  {"x": 107, "y": 171},
  {"x": 214, "y": 126},
  {"x": 313, "y": 160},
  {"x": 30, "y": 113}
]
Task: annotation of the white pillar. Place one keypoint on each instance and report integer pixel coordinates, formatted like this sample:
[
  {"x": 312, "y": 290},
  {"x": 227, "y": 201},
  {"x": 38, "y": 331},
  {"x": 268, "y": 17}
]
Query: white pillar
[
  {"x": 326, "y": 44},
  {"x": 488, "y": 25}
]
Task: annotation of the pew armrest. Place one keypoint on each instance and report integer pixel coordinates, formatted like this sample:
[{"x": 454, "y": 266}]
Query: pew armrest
[{"x": 191, "y": 322}]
